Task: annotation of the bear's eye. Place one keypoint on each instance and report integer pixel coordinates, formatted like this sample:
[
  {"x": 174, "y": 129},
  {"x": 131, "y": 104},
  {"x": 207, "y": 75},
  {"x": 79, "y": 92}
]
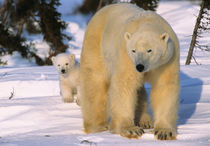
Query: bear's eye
[
  {"x": 59, "y": 65},
  {"x": 134, "y": 51},
  {"x": 67, "y": 64},
  {"x": 149, "y": 50}
]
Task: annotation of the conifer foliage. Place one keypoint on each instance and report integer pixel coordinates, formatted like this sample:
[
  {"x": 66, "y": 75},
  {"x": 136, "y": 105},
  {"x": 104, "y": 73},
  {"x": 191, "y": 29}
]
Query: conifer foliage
[
  {"x": 91, "y": 6},
  {"x": 34, "y": 17},
  {"x": 146, "y": 4}
]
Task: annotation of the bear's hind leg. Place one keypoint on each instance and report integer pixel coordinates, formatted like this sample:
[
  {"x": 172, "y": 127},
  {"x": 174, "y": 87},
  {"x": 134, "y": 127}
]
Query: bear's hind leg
[{"x": 142, "y": 117}]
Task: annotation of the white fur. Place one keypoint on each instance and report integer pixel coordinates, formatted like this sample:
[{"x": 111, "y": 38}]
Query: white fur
[
  {"x": 68, "y": 70},
  {"x": 142, "y": 51},
  {"x": 109, "y": 79}
]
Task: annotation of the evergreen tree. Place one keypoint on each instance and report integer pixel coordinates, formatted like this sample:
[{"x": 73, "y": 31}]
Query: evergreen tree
[
  {"x": 91, "y": 6},
  {"x": 51, "y": 26},
  {"x": 34, "y": 16},
  {"x": 146, "y": 4},
  {"x": 8, "y": 41},
  {"x": 202, "y": 26}
]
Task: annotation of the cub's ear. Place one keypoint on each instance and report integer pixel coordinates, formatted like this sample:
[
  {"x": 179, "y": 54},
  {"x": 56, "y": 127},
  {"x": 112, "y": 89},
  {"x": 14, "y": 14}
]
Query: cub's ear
[
  {"x": 53, "y": 59},
  {"x": 127, "y": 36},
  {"x": 164, "y": 37},
  {"x": 72, "y": 56}
]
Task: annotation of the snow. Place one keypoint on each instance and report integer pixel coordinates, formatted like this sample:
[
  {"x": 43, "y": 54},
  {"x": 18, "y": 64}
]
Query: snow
[{"x": 35, "y": 115}]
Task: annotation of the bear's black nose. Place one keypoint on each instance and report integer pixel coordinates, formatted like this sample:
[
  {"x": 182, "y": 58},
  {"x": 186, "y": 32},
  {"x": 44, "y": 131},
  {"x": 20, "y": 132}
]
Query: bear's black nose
[
  {"x": 140, "y": 67},
  {"x": 63, "y": 71}
]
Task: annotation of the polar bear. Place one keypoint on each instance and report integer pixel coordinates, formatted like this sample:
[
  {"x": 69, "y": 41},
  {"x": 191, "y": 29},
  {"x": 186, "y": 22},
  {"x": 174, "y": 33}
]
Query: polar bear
[
  {"x": 124, "y": 47},
  {"x": 68, "y": 70}
]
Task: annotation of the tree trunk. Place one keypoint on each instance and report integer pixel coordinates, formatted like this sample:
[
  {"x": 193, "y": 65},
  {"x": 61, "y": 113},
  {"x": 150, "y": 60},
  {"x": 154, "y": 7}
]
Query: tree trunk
[
  {"x": 194, "y": 37},
  {"x": 4, "y": 12},
  {"x": 103, "y": 3},
  {"x": 20, "y": 27},
  {"x": 3, "y": 8},
  {"x": 99, "y": 5}
]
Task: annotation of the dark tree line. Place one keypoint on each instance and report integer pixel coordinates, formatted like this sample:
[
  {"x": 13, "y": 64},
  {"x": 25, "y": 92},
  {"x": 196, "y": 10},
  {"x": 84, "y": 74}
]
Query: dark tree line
[
  {"x": 146, "y": 4},
  {"x": 34, "y": 17},
  {"x": 202, "y": 26},
  {"x": 91, "y": 6}
]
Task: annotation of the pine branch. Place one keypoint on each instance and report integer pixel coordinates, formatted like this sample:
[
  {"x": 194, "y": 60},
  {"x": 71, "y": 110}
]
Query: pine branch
[
  {"x": 203, "y": 47},
  {"x": 195, "y": 60}
]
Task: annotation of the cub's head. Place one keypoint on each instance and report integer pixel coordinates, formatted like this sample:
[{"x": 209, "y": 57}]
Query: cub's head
[
  {"x": 63, "y": 62},
  {"x": 148, "y": 50}
]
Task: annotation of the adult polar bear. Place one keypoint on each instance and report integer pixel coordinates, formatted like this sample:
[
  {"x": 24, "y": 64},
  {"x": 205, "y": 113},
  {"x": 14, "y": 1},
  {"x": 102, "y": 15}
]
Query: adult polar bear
[{"x": 125, "y": 46}]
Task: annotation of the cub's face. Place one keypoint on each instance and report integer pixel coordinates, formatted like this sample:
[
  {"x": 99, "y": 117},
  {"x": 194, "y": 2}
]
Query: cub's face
[
  {"x": 148, "y": 50},
  {"x": 63, "y": 62}
]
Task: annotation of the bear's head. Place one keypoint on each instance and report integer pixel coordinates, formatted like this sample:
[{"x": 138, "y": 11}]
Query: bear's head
[
  {"x": 63, "y": 63},
  {"x": 148, "y": 50}
]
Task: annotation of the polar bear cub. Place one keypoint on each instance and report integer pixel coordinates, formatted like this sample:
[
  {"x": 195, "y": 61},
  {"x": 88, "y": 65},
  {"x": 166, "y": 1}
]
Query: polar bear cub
[{"x": 68, "y": 70}]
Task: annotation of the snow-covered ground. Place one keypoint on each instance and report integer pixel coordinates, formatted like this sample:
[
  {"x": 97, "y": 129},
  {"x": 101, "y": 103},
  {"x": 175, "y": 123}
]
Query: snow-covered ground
[{"x": 36, "y": 116}]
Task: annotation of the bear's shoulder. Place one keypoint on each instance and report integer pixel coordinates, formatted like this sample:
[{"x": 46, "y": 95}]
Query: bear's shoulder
[{"x": 142, "y": 15}]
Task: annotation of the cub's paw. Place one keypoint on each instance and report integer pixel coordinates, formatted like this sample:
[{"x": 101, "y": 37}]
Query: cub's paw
[
  {"x": 146, "y": 122},
  {"x": 68, "y": 99},
  {"x": 165, "y": 133},
  {"x": 78, "y": 102},
  {"x": 132, "y": 132}
]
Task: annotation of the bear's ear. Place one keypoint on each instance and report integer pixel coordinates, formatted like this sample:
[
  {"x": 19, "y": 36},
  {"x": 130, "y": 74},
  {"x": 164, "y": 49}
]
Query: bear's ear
[
  {"x": 72, "y": 56},
  {"x": 127, "y": 36},
  {"x": 164, "y": 37},
  {"x": 53, "y": 59}
]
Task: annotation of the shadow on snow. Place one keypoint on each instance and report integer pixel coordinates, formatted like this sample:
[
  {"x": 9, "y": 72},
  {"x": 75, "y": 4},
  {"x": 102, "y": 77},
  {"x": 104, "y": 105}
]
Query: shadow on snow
[{"x": 190, "y": 94}]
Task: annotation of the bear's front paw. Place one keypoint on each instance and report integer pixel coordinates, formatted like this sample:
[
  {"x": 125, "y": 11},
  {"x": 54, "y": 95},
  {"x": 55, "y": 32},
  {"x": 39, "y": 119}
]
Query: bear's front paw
[
  {"x": 132, "y": 132},
  {"x": 165, "y": 133}
]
